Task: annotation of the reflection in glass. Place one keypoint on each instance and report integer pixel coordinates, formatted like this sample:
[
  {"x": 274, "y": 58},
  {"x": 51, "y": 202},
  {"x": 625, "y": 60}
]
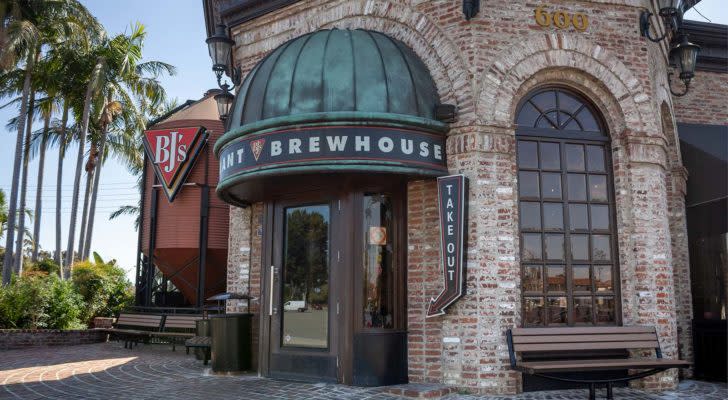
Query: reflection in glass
[
  {"x": 577, "y": 187},
  {"x": 575, "y": 157},
  {"x": 527, "y": 154},
  {"x": 528, "y": 184},
  {"x": 378, "y": 262},
  {"x": 553, "y": 216},
  {"x": 533, "y": 312},
  {"x": 532, "y": 279},
  {"x": 557, "y": 310},
  {"x": 551, "y": 184},
  {"x": 554, "y": 247},
  {"x": 603, "y": 278},
  {"x": 598, "y": 188},
  {"x": 531, "y": 246},
  {"x": 601, "y": 250},
  {"x": 600, "y": 217},
  {"x": 550, "y": 158},
  {"x": 582, "y": 310},
  {"x": 580, "y": 278},
  {"x": 595, "y": 158},
  {"x": 605, "y": 310},
  {"x": 578, "y": 216},
  {"x": 530, "y": 215},
  {"x": 306, "y": 277},
  {"x": 556, "y": 278},
  {"x": 579, "y": 247}
]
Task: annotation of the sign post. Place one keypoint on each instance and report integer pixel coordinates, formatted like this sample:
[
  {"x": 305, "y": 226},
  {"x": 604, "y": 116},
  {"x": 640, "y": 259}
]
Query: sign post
[{"x": 452, "y": 194}]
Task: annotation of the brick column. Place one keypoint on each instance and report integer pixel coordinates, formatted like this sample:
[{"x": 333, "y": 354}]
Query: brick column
[
  {"x": 467, "y": 347},
  {"x": 649, "y": 279},
  {"x": 676, "y": 189}
]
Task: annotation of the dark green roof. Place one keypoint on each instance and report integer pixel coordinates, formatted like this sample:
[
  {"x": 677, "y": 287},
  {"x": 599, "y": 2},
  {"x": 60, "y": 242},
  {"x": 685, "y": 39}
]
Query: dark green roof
[{"x": 335, "y": 75}]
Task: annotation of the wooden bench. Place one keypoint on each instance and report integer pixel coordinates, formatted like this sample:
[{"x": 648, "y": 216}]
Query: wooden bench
[
  {"x": 132, "y": 327},
  {"x": 571, "y": 344},
  {"x": 200, "y": 342},
  {"x": 177, "y": 328}
]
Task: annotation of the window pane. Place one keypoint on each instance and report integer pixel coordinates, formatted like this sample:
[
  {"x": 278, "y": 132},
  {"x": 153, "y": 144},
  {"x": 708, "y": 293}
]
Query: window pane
[
  {"x": 557, "y": 310},
  {"x": 556, "y": 278},
  {"x": 568, "y": 103},
  {"x": 582, "y": 310},
  {"x": 546, "y": 121},
  {"x": 530, "y": 215},
  {"x": 554, "y": 247},
  {"x": 528, "y": 184},
  {"x": 573, "y": 125},
  {"x": 527, "y": 154},
  {"x": 551, "y": 186},
  {"x": 578, "y": 217},
  {"x": 379, "y": 262},
  {"x": 605, "y": 310},
  {"x": 545, "y": 101},
  {"x": 587, "y": 121},
  {"x": 601, "y": 250},
  {"x": 581, "y": 280},
  {"x": 577, "y": 187},
  {"x": 533, "y": 312},
  {"x": 527, "y": 116},
  {"x": 306, "y": 277},
  {"x": 597, "y": 187},
  {"x": 553, "y": 215},
  {"x": 550, "y": 157},
  {"x": 532, "y": 279},
  {"x": 595, "y": 158},
  {"x": 531, "y": 246},
  {"x": 603, "y": 278},
  {"x": 574, "y": 157},
  {"x": 580, "y": 247},
  {"x": 599, "y": 217}
]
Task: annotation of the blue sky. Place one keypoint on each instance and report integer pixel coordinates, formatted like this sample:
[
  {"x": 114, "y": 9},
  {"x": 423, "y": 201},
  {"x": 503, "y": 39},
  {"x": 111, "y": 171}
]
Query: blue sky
[{"x": 175, "y": 34}]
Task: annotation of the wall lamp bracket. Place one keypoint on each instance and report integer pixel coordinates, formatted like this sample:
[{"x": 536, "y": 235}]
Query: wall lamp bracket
[
  {"x": 471, "y": 8},
  {"x": 645, "y": 27}
]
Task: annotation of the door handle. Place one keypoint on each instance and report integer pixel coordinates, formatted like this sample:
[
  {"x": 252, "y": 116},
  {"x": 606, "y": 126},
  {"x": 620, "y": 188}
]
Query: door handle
[{"x": 271, "y": 310}]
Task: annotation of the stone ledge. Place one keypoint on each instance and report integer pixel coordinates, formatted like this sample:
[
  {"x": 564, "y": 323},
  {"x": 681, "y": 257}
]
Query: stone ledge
[{"x": 421, "y": 390}]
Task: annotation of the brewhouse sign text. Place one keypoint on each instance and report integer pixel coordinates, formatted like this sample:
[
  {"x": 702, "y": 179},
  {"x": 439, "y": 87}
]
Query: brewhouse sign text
[
  {"x": 452, "y": 192},
  {"x": 348, "y": 146},
  {"x": 173, "y": 153}
]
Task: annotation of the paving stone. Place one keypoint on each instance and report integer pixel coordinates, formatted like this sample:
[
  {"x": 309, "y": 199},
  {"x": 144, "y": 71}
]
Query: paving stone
[{"x": 108, "y": 371}]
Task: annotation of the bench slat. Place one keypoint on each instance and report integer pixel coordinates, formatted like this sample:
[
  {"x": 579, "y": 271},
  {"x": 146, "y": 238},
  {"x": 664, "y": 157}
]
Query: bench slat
[
  {"x": 581, "y": 330},
  {"x": 586, "y": 346},
  {"x": 599, "y": 365},
  {"x": 630, "y": 337}
]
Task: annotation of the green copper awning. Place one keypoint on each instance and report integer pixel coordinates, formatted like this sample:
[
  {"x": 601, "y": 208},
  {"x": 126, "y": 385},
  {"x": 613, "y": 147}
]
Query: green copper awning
[{"x": 333, "y": 100}]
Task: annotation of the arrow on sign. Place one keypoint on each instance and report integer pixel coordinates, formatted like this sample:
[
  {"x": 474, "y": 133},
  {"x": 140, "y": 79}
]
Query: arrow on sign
[{"x": 452, "y": 191}]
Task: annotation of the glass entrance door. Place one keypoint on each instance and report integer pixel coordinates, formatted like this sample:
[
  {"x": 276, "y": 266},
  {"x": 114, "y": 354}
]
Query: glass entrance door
[{"x": 302, "y": 342}]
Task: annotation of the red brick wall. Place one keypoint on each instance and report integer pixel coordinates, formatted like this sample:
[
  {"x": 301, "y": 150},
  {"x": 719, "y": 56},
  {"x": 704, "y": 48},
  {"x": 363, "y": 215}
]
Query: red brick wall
[
  {"x": 21, "y": 338},
  {"x": 707, "y": 100}
]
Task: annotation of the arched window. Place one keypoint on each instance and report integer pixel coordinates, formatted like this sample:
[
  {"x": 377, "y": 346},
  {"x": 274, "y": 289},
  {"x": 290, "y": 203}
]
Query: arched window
[{"x": 567, "y": 219}]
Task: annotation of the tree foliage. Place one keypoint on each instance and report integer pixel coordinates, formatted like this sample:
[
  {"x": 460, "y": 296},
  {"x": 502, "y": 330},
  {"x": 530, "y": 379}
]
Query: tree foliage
[{"x": 103, "y": 287}]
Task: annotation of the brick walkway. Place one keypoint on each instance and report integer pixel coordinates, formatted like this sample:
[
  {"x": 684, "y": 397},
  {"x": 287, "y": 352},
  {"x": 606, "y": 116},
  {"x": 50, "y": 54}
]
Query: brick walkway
[{"x": 108, "y": 371}]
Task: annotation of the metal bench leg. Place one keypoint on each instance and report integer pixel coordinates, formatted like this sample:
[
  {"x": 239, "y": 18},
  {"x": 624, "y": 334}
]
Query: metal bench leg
[
  {"x": 188, "y": 351},
  {"x": 173, "y": 344},
  {"x": 592, "y": 392},
  {"x": 609, "y": 391}
]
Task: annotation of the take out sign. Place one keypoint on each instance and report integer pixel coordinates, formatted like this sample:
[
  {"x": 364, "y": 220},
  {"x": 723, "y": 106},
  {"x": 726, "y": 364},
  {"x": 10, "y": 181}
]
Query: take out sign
[{"x": 173, "y": 153}]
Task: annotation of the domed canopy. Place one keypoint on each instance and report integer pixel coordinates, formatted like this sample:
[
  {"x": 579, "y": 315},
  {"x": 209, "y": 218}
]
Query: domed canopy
[{"x": 329, "y": 81}]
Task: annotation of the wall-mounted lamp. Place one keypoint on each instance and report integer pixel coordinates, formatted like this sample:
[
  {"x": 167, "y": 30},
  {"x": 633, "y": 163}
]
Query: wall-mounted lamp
[
  {"x": 471, "y": 8},
  {"x": 685, "y": 54},
  {"x": 220, "y": 47},
  {"x": 671, "y": 12}
]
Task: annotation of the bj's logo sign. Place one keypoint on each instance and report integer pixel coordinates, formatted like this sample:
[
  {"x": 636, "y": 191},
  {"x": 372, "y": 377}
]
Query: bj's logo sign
[{"x": 173, "y": 153}]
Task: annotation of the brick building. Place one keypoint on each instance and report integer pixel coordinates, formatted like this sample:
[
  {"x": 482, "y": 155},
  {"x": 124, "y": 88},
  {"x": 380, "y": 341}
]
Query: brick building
[{"x": 565, "y": 127}]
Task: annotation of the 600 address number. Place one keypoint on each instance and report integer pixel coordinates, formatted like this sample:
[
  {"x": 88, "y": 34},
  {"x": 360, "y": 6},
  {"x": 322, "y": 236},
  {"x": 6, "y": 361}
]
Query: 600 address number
[{"x": 561, "y": 19}]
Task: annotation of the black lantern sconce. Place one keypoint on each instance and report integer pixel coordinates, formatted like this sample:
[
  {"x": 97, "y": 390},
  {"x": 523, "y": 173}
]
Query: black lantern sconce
[
  {"x": 682, "y": 52},
  {"x": 471, "y": 8},
  {"x": 220, "y": 47},
  {"x": 685, "y": 55}
]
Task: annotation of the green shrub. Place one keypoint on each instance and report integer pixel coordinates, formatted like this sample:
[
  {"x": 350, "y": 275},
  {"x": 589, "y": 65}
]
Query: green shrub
[
  {"x": 104, "y": 288},
  {"x": 37, "y": 300}
]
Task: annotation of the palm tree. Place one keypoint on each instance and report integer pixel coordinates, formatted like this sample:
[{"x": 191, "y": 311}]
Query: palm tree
[
  {"x": 3, "y": 213},
  {"x": 25, "y": 25},
  {"x": 132, "y": 92}
]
